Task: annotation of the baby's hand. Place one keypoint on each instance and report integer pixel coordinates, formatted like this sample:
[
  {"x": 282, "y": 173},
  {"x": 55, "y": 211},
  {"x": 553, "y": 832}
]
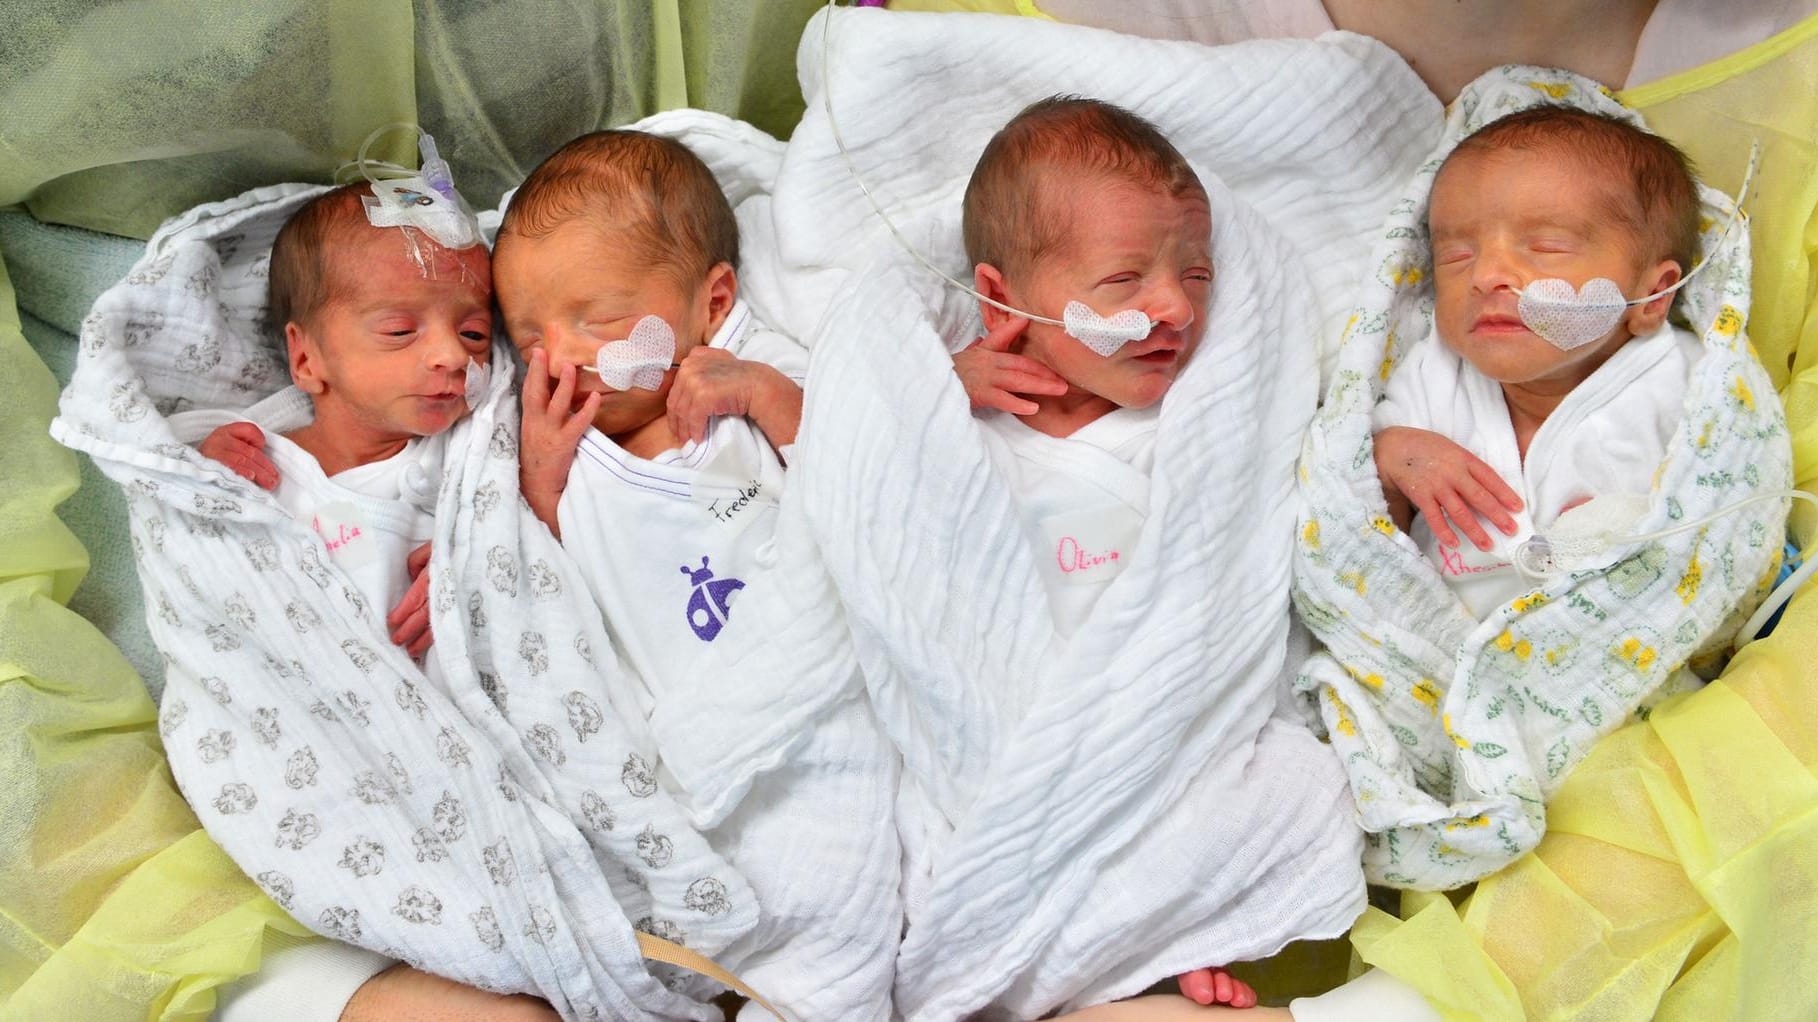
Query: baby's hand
[
  {"x": 993, "y": 377},
  {"x": 241, "y": 447},
  {"x": 713, "y": 381},
  {"x": 1216, "y": 986},
  {"x": 409, "y": 620},
  {"x": 1442, "y": 480},
  {"x": 552, "y": 430}
]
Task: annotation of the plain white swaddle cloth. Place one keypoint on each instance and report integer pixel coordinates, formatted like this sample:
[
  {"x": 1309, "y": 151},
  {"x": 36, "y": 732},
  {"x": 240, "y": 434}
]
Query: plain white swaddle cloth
[
  {"x": 1083, "y": 498},
  {"x": 672, "y": 547},
  {"x": 1607, "y": 437}
]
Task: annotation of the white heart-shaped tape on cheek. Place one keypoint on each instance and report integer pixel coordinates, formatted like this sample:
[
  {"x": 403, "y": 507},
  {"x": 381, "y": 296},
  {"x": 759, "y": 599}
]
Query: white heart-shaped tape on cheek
[
  {"x": 640, "y": 360},
  {"x": 1570, "y": 318},
  {"x": 1104, "y": 334},
  {"x": 478, "y": 376}
]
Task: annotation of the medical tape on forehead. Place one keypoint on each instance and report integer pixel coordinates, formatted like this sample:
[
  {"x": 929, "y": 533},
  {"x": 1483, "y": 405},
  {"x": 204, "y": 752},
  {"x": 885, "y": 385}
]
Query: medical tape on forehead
[
  {"x": 1104, "y": 335},
  {"x": 641, "y": 360},
  {"x": 1569, "y": 318},
  {"x": 424, "y": 200}
]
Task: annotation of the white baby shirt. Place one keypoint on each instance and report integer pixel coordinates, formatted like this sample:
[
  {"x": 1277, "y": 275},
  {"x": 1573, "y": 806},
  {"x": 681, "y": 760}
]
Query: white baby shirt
[
  {"x": 669, "y": 545},
  {"x": 369, "y": 517},
  {"x": 1606, "y": 438},
  {"x": 1082, "y": 500}
]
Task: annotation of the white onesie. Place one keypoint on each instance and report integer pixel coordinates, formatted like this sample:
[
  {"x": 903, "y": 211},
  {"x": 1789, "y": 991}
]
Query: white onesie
[
  {"x": 1605, "y": 439},
  {"x": 1082, "y": 498},
  {"x": 667, "y": 544}
]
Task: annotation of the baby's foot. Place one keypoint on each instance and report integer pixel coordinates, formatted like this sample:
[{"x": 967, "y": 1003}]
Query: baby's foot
[{"x": 1216, "y": 986}]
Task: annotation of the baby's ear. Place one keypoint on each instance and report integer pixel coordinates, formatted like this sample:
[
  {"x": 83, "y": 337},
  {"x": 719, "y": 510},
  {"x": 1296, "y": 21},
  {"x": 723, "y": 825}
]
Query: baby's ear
[
  {"x": 989, "y": 281},
  {"x": 721, "y": 291},
  {"x": 305, "y": 358},
  {"x": 1646, "y": 318}
]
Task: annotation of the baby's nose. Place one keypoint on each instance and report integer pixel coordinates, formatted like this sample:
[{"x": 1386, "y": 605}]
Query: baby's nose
[{"x": 1170, "y": 305}]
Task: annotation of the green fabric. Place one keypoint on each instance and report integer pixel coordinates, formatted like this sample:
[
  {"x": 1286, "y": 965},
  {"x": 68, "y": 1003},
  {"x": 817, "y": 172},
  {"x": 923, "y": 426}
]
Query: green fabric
[
  {"x": 112, "y": 904},
  {"x": 123, "y": 114}
]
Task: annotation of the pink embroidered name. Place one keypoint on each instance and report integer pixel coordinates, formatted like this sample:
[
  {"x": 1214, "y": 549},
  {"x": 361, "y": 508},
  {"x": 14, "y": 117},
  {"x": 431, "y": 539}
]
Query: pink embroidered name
[
  {"x": 1073, "y": 557},
  {"x": 342, "y": 536},
  {"x": 1452, "y": 561}
]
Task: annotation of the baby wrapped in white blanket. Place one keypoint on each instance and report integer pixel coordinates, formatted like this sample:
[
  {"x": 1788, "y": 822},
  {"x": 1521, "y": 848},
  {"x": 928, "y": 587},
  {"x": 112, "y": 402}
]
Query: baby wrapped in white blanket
[
  {"x": 1081, "y": 815},
  {"x": 484, "y": 824},
  {"x": 659, "y": 416}
]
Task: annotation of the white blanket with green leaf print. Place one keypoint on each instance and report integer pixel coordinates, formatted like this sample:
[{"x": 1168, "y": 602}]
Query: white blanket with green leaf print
[{"x": 1455, "y": 731}]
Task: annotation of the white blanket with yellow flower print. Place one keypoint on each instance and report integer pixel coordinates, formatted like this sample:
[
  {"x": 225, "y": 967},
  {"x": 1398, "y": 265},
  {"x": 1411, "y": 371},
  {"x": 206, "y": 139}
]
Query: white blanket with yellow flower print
[{"x": 1455, "y": 730}]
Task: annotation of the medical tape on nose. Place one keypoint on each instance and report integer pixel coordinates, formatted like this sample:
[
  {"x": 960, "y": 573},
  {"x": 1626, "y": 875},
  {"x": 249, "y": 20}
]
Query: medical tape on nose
[
  {"x": 640, "y": 360},
  {"x": 1104, "y": 334},
  {"x": 478, "y": 377}
]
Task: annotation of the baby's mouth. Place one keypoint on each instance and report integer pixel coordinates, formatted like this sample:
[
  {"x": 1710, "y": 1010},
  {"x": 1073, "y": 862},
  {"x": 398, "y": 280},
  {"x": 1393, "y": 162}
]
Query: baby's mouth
[{"x": 1498, "y": 323}]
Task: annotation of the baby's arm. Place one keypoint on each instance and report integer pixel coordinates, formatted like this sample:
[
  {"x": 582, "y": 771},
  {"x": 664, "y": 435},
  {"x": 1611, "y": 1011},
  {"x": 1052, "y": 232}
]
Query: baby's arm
[
  {"x": 713, "y": 381},
  {"x": 551, "y": 432},
  {"x": 1424, "y": 472},
  {"x": 241, "y": 447},
  {"x": 993, "y": 376}
]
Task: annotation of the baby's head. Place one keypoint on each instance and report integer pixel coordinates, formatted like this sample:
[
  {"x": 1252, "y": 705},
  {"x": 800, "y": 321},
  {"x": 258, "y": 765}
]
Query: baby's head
[
  {"x": 379, "y": 326},
  {"x": 1079, "y": 200},
  {"x": 1554, "y": 192},
  {"x": 616, "y": 226}
]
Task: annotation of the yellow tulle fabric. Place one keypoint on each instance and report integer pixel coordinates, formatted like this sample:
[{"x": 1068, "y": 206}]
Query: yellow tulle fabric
[{"x": 113, "y": 905}]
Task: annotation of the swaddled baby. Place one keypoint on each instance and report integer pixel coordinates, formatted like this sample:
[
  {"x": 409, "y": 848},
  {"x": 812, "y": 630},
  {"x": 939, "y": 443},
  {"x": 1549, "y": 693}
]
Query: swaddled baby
[
  {"x": 1494, "y": 420},
  {"x": 658, "y": 414},
  {"x": 380, "y": 327},
  {"x": 1080, "y": 200}
]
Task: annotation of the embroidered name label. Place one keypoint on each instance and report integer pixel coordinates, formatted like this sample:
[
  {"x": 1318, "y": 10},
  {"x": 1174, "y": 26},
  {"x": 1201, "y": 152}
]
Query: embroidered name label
[
  {"x": 345, "y": 533},
  {"x": 1462, "y": 561},
  {"x": 1091, "y": 547}
]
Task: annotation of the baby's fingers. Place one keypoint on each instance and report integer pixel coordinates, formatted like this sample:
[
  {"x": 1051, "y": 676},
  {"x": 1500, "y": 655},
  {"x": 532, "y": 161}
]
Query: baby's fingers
[
  {"x": 1006, "y": 401},
  {"x": 1493, "y": 482},
  {"x": 582, "y": 417},
  {"x": 564, "y": 391},
  {"x": 1431, "y": 509},
  {"x": 1050, "y": 382},
  {"x": 536, "y": 380},
  {"x": 1484, "y": 503},
  {"x": 1003, "y": 335},
  {"x": 1464, "y": 519}
]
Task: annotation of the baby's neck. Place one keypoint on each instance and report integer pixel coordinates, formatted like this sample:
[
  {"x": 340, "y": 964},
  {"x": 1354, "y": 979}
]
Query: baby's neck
[
  {"x": 649, "y": 440},
  {"x": 339, "y": 449},
  {"x": 1067, "y": 414},
  {"x": 1532, "y": 402}
]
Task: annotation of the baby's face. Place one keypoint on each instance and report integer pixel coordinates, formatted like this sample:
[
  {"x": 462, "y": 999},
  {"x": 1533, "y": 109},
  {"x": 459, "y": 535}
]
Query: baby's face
[
  {"x": 1129, "y": 246},
  {"x": 1501, "y": 220},
  {"x": 388, "y": 353},
  {"x": 570, "y": 293}
]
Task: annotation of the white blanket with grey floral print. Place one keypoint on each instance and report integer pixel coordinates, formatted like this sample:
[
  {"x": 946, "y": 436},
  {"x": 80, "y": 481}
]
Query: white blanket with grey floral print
[
  {"x": 1454, "y": 730},
  {"x": 502, "y": 825}
]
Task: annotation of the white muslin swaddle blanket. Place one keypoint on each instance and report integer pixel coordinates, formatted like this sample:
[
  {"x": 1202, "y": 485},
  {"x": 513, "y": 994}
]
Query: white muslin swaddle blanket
[
  {"x": 492, "y": 821},
  {"x": 1455, "y": 730},
  {"x": 1085, "y": 815}
]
